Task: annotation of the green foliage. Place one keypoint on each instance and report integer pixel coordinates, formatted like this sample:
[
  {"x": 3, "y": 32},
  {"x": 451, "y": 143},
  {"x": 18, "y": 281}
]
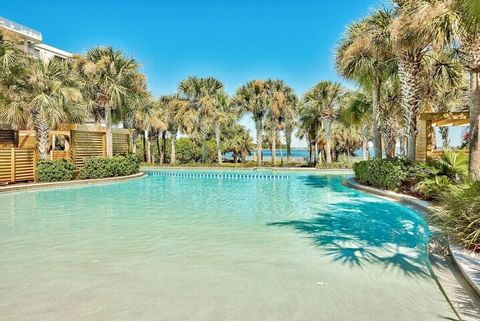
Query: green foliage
[
  {"x": 454, "y": 164},
  {"x": 381, "y": 173},
  {"x": 102, "y": 167},
  {"x": 432, "y": 188},
  {"x": 459, "y": 215},
  {"x": 54, "y": 171},
  {"x": 416, "y": 173},
  {"x": 187, "y": 151},
  {"x": 343, "y": 162}
]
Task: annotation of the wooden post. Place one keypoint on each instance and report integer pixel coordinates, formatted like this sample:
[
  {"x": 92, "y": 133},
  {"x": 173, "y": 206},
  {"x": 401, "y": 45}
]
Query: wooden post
[
  {"x": 104, "y": 145},
  {"x": 12, "y": 160}
]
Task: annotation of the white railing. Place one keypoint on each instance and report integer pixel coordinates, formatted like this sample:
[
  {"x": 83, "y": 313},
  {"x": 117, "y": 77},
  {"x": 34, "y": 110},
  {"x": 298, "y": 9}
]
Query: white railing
[{"x": 26, "y": 31}]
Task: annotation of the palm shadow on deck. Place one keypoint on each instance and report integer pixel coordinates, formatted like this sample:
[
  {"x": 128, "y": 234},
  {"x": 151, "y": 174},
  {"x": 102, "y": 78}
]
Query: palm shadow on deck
[{"x": 365, "y": 232}]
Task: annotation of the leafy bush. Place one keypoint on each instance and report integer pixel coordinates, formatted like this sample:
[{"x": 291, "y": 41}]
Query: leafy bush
[
  {"x": 432, "y": 188},
  {"x": 417, "y": 173},
  {"x": 381, "y": 173},
  {"x": 187, "y": 151},
  {"x": 54, "y": 170},
  {"x": 102, "y": 167},
  {"x": 459, "y": 214}
]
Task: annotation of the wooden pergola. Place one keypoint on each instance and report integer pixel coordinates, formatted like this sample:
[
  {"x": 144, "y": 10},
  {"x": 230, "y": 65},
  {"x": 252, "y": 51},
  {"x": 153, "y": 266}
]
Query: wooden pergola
[{"x": 426, "y": 122}]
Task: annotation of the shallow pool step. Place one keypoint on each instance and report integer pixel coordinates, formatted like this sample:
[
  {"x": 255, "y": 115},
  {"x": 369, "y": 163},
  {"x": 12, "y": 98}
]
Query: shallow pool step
[{"x": 229, "y": 176}]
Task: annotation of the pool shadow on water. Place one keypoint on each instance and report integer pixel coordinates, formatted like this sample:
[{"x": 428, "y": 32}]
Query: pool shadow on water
[{"x": 366, "y": 233}]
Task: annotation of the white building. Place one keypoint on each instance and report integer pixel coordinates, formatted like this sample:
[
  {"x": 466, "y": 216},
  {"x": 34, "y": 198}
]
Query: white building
[{"x": 34, "y": 42}]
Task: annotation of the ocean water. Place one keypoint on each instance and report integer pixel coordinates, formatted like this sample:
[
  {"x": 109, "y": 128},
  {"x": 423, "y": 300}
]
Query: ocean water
[{"x": 214, "y": 245}]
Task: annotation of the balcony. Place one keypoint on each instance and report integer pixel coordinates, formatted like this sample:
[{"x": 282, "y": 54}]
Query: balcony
[{"x": 31, "y": 34}]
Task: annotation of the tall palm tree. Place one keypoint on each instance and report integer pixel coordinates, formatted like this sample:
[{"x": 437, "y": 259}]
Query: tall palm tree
[
  {"x": 321, "y": 104},
  {"x": 441, "y": 24},
  {"x": 357, "y": 113},
  {"x": 202, "y": 95},
  {"x": 49, "y": 96},
  {"x": 279, "y": 97},
  {"x": 290, "y": 123},
  {"x": 252, "y": 97},
  {"x": 113, "y": 82},
  {"x": 223, "y": 115},
  {"x": 365, "y": 54}
]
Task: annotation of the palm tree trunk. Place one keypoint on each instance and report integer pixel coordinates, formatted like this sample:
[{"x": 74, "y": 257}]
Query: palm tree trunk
[
  {"x": 218, "y": 141},
  {"x": 315, "y": 156},
  {"x": 474, "y": 146},
  {"x": 377, "y": 136},
  {"x": 274, "y": 146},
  {"x": 203, "y": 142},
  {"x": 42, "y": 132},
  {"x": 259, "y": 129},
  {"x": 164, "y": 147},
  {"x": 445, "y": 140},
  {"x": 144, "y": 139},
  {"x": 309, "y": 152},
  {"x": 328, "y": 146},
  {"x": 409, "y": 74},
  {"x": 108, "y": 131},
  {"x": 173, "y": 140},
  {"x": 159, "y": 151},
  {"x": 288, "y": 141}
]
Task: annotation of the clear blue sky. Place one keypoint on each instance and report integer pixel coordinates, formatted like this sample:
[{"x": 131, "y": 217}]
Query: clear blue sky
[{"x": 234, "y": 41}]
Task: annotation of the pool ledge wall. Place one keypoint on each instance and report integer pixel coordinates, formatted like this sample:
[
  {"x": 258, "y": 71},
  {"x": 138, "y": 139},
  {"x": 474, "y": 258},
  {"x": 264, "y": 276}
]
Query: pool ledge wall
[
  {"x": 466, "y": 261},
  {"x": 337, "y": 171},
  {"x": 34, "y": 186}
]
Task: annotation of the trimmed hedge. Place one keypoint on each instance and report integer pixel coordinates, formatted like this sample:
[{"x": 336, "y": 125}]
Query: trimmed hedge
[
  {"x": 102, "y": 167},
  {"x": 54, "y": 171},
  {"x": 381, "y": 173}
]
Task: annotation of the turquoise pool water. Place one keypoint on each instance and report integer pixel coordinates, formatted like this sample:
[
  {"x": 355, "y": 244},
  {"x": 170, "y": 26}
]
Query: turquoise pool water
[{"x": 214, "y": 245}]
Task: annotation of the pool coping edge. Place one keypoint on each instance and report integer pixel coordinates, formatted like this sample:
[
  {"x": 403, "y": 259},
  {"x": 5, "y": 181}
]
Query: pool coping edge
[{"x": 40, "y": 186}]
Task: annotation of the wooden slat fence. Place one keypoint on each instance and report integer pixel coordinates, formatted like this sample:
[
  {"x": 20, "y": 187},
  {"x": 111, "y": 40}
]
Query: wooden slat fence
[
  {"x": 86, "y": 145},
  {"x": 120, "y": 144},
  {"x": 17, "y": 165}
]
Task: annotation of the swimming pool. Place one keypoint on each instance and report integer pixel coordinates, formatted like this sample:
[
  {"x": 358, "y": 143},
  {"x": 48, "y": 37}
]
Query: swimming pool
[{"x": 214, "y": 245}]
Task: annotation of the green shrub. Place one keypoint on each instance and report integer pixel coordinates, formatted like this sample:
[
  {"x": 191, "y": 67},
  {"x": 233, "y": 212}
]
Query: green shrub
[
  {"x": 381, "y": 173},
  {"x": 186, "y": 151},
  {"x": 417, "y": 173},
  {"x": 102, "y": 167},
  {"x": 432, "y": 188},
  {"x": 459, "y": 214},
  {"x": 54, "y": 171}
]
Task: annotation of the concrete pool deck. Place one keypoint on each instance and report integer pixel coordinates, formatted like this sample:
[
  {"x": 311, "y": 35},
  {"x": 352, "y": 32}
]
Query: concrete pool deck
[{"x": 453, "y": 269}]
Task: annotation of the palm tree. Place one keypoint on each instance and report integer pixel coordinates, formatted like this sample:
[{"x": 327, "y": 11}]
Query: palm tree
[
  {"x": 290, "y": 124},
  {"x": 202, "y": 95},
  {"x": 113, "y": 81},
  {"x": 49, "y": 96},
  {"x": 440, "y": 24},
  {"x": 357, "y": 113},
  {"x": 238, "y": 141},
  {"x": 279, "y": 97},
  {"x": 320, "y": 106},
  {"x": 223, "y": 116},
  {"x": 365, "y": 54},
  {"x": 252, "y": 98}
]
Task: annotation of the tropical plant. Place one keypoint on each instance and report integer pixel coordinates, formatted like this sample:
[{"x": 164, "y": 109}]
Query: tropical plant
[
  {"x": 454, "y": 164},
  {"x": 365, "y": 54},
  {"x": 238, "y": 142},
  {"x": 252, "y": 97},
  {"x": 319, "y": 108},
  {"x": 458, "y": 216},
  {"x": 113, "y": 82},
  {"x": 48, "y": 95},
  {"x": 202, "y": 94}
]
